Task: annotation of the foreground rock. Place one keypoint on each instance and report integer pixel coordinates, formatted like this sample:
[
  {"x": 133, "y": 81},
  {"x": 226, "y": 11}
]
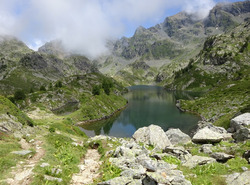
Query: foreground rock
[
  {"x": 139, "y": 168},
  {"x": 152, "y": 135},
  {"x": 240, "y": 126},
  {"x": 239, "y": 178},
  {"x": 221, "y": 157},
  {"x": 176, "y": 136},
  {"x": 206, "y": 135},
  {"x": 198, "y": 160}
]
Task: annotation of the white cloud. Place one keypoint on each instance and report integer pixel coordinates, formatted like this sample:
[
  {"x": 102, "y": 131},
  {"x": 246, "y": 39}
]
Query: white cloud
[
  {"x": 200, "y": 8},
  {"x": 85, "y": 25}
]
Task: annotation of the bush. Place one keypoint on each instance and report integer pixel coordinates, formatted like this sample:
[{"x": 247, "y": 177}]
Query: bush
[
  {"x": 19, "y": 95},
  {"x": 107, "y": 84},
  {"x": 42, "y": 88},
  {"x": 52, "y": 129},
  {"x": 96, "y": 90},
  {"x": 58, "y": 84}
]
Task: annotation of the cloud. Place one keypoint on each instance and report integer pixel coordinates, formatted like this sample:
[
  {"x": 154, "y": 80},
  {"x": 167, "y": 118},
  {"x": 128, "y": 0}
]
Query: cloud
[
  {"x": 84, "y": 26},
  {"x": 198, "y": 7}
]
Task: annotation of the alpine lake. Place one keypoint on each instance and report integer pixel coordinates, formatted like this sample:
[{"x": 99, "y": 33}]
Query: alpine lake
[{"x": 146, "y": 105}]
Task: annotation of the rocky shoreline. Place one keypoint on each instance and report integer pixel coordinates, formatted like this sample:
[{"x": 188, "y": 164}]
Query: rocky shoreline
[{"x": 147, "y": 158}]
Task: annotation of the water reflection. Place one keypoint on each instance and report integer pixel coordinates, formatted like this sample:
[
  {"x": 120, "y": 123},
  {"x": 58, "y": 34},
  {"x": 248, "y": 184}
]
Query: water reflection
[{"x": 147, "y": 105}]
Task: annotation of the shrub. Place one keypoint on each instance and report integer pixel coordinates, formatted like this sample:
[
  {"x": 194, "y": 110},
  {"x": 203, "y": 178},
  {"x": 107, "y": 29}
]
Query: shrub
[
  {"x": 42, "y": 88},
  {"x": 19, "y": 95},
  {"x": 96, "y": 90},
  {"x": 106, "y": 85},
  {"x": 58, "y": 84},
  {"x": 52, "y": 129}
]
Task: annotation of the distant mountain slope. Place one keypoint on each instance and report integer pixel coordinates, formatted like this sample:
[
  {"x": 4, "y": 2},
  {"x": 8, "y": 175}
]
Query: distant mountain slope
[{"x": 172, "y": 43}]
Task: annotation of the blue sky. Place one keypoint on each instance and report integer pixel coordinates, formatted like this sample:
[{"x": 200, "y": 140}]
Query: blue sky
[{"x": 86, "y": 25}]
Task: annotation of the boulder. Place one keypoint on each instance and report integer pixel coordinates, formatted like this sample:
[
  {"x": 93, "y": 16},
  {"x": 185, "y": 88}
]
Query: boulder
[
  {"x": 240, "y": 121},
  {"x": 198, "y": 160},
  {"x": 117, "y": 181},
  {"x": 9, "y": 123},
  {"x": 221, "y": 157},
  {"x": 152, "y": 135},
  {"x": 240, "y": 126},
  {"x": 246, "y": 155},
  {"x": 238, "y": 178},
  {"x": 176, "y": 136},
  {"x": 178, "y": 152},
  {"x": 220, "y": 130},
  {"x": 242, "y": 134},
  {"x": 206, "y": 135},
  {"x": 206, "y": 148}
]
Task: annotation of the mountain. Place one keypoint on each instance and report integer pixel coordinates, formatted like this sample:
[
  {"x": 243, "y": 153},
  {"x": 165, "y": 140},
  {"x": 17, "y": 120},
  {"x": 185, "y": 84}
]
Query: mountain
[
  {"x": 56, "y": 80},
  {"x": 168, "y": 46},
  {"x": 222, "y": 69}
]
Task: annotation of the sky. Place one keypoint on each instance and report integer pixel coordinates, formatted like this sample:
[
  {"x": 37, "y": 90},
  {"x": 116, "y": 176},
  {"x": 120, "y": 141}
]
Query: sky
[{"x": 85, "y": 26}]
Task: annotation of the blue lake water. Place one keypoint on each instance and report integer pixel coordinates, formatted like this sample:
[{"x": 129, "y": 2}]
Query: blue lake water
[{"x": 147, "y": 105}]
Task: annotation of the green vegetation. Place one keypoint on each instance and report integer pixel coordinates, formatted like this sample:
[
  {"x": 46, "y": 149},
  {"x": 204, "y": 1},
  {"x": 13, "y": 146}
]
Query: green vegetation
[
  {"x": 7, "y": 107},
  {"x": 7, "y": 159}
]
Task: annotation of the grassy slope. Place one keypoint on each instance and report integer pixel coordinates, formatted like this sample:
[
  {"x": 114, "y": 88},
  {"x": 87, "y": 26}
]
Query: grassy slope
[{"x": 226, "y": 84}]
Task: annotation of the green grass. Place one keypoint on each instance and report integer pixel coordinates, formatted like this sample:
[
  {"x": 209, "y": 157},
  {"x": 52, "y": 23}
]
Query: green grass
[
  {"x": 60, "y": 153},
  {"x": 7, "y": 159},
  {"x": 7, "y": 107}
]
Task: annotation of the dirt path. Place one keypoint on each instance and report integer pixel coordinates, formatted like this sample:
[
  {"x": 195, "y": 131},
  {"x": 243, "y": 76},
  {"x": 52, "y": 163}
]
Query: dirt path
[
  {"x": 22, "y": 173},
  {"x": 88, "y": 168}
]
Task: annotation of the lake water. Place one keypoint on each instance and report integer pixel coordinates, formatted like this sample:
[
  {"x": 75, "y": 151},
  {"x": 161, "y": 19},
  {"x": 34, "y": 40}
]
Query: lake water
[{"x": 147, "y": 105}]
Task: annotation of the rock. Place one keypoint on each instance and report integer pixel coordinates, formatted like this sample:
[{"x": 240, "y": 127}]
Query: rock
[
  {"x": 152, "y": 135},
  {"x": 220, "y": 130},
  {"x": 22, "y": 152},
  {"x": 221, "y": 157},
  {"x": 147, "y": 163},
  {"x": 176, "y": 136},
  {"x": 206, "y": 135},
  {"x": 240, "y": 126},
  {"x": 238, "y": 178},
  {"x": 198, "y": 160},
  {"x": 242, "y": 134},
  {"x": 50, "y": 178},
  {"x": 178, "y": 152},
  {"x": 118, "y": 181},
  {"x": 9, "y": 123},
  {"x": 244, "y": 168},
  {"x": 206, "y": 148},
  {"x": 246, "y": 155},
  {"x": 44, "y": 165},
  {"x": 240, "y": 121}
]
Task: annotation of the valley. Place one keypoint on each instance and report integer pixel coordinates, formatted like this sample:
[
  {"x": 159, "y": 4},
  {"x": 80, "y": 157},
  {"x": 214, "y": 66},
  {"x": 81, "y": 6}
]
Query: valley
[{"x": 135, "y": 103}]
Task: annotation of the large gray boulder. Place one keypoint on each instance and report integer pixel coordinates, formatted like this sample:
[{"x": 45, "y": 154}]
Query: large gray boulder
[
  {"x": 176, "y": 136},
  {"x": 240, "y": 121},
  {"x": 206, "y": 135},
  {"x": 239, "y": 178},
  {"x": 152, "y": 135},
  {"x": 240, "y": 126}
]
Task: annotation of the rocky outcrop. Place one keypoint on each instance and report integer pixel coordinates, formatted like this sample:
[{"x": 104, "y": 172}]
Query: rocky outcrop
[
  {"x": 9, "y": 123},
  {"x": 152, "y": 135},
  {"x": 139, "y": 168},
  {"x": 206, "y": 148},
  {"x": 206, "y": 135},
  {"x": 176, "y": 136},
  {"x": 240, "y": 126}
]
